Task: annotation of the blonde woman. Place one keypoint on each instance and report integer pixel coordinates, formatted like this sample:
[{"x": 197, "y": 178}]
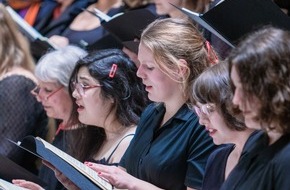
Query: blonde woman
[{"x": 20, "y": 113}]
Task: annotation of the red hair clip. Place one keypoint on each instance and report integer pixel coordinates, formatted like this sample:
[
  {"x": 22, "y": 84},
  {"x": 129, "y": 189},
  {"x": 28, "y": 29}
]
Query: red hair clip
[{"x": 113, "y": 70}]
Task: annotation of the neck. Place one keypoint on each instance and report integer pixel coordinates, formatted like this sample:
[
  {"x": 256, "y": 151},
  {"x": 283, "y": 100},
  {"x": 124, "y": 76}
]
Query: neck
[
  {"x": 114, "y": 130},
  {"x": 65, "y": 4},
  {"x": 171, "y": 108},
  {"x": 177, "y": 14},
  {"x": 273, "y": 136},
  {"x": 105, "y": 5},
  {"x": 240, "y": 142}
]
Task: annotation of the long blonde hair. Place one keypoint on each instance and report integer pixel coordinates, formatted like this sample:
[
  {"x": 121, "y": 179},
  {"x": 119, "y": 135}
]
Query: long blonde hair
[
  {"x": 14, "y": 48},
  {"x": 172, "y": 39}
]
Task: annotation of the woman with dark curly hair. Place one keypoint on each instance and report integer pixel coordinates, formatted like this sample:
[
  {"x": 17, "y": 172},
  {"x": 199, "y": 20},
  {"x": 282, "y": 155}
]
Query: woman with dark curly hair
[{"x": 260, "y": 71}]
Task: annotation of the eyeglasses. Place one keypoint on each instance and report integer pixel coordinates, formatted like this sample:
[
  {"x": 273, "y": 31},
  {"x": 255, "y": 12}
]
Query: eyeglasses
[
  {"x": 205, "y": 109},
  {"x": 81, "y": 88},
  {"x": 36, "y": 92}
]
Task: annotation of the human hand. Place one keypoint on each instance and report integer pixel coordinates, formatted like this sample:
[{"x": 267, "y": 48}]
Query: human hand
[
  {"x": 116, "y": 176},
  {"x": 68, "y": 184},
  {"x": 26, "y": 184}
]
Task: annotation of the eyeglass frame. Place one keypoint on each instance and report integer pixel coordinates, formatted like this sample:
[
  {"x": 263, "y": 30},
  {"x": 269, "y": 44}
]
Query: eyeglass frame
[
  {"x": 80, "y": 88},
  {"x": 35, "y": 91},
  {"x": 204, "y": 109}
]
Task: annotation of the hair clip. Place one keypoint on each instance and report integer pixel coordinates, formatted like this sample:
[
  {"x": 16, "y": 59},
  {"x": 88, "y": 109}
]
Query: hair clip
[{"x": 113, "y": 71}]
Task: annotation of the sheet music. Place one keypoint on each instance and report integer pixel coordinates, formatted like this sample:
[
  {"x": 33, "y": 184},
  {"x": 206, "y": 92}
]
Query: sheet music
[
  {"x": 28, "y": 29},
  {"x": 88, "y": 172}
]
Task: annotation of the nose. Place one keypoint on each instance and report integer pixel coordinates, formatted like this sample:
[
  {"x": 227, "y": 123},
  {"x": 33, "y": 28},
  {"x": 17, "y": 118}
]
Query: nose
[
  {"x": 140, "y": 71},
  {"x": 38, "y": 98},
  {"x": 236, "y": 98},
  {"x": 202, "y": 120},
  {"x": 75, "y": 94}
]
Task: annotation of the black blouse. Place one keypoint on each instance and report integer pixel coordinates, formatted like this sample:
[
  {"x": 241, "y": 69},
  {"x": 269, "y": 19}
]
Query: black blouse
[
  {"x": 262, "y": 167},
  {"x": 20, "y": 115},
  {"x": 172, "y": 156},
  {"x": 215, "y": 167}
]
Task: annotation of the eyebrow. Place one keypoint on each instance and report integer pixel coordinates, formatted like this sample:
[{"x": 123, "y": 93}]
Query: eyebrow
[{"x": 85, "y": 78}]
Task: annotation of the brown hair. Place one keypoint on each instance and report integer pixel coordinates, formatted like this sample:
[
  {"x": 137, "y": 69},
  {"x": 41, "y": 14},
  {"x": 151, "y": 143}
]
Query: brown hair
[
  {"x": 214, "y": 86},
  {"x": 262, "y": 62}
]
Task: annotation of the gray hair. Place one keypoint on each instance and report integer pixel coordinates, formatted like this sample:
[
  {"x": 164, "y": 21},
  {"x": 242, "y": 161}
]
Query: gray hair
[{"x": 57, "y": 66}]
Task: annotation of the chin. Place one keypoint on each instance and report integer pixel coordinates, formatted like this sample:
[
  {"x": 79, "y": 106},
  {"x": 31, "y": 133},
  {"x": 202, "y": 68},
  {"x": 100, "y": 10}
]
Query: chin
[
  {"x": 252, "y": 124},
  {"x": 160, "y": 11}
]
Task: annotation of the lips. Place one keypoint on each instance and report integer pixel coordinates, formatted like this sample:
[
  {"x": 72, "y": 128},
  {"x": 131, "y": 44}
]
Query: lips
[
  {"x": 211, "y": 131},
  {"x": 147, "y": 88},
  {"x": 80, "y": 107}
]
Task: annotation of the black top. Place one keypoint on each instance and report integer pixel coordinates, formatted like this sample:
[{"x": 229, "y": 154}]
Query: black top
[
  {"x": 106, "y": 161},
  {"x": 262, "y": 167},
  {"x": 88, "y": 37},
  {"x": 172, "y": 156},
  {"x": 20, "y": 115},
  {"x": 215, "y": 167},
  {"x": 48, "y": 26}
]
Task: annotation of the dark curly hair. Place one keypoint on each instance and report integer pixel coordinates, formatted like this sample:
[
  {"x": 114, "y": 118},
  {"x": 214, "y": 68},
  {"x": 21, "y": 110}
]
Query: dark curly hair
[
  {"x": 262, "y": 62},
  {"x": 214, "y": 86},
  {"x": 125, "y": 88}
]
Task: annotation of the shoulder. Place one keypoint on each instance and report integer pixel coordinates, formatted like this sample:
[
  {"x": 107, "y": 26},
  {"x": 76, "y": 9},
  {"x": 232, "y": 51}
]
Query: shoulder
[
  {"x": 221, "y": 153},
  {"x": 18, "y": 71},
  {"x": 123, "y": 144},
  {"x": 17, "y": 84},
  {"x": 127, "y": 137},
  {"x": 281, "y": 159},
  {"x": 279, "y": 168}
]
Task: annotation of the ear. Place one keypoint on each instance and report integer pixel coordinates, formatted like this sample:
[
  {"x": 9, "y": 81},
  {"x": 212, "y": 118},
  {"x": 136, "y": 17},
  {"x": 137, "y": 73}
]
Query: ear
[{"x": 183, "y": 68}]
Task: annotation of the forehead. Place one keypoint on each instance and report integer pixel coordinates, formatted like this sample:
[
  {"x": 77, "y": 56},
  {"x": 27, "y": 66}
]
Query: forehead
[
  {"x": 84, "y": 75},
  {"x": 234, "y": 75},
  {"x": 47, "y": 84},
  {"x": 145, "y": 54}
]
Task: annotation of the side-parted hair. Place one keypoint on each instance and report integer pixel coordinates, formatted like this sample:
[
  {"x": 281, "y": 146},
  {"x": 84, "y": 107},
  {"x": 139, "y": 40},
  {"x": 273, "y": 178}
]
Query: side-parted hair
[
  {"x": 262, "y": 61},
  {"x": 123, "y": 86},
  {"x": 214, "y": 86},
  {"x": 173, "y": 39},
  {"x": 58, "y": 65},
  {"x": 14, "y": 48}
]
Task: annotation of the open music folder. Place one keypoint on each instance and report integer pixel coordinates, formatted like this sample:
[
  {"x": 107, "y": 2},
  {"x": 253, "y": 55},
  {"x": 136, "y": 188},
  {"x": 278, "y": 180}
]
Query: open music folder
[
  {"x": 126, "y": 27},
  {"x": 10, "y": 170},
  {"x": 80, "y": 174},
  {"x": 39, "y": 43},
  {"x": 231, "y": 20}
]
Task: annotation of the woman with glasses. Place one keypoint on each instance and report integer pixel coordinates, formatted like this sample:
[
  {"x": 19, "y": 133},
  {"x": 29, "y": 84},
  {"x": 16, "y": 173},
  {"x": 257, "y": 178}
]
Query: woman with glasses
[
  {"x": 109, "y": 97},
  {"x": 170, "y": 148},
  {"x": 212, "y": 98},
  {"x": 260, "y": 72},
  {"x": 20, "y": 113},
  {"x": 53, "y": 72}
]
